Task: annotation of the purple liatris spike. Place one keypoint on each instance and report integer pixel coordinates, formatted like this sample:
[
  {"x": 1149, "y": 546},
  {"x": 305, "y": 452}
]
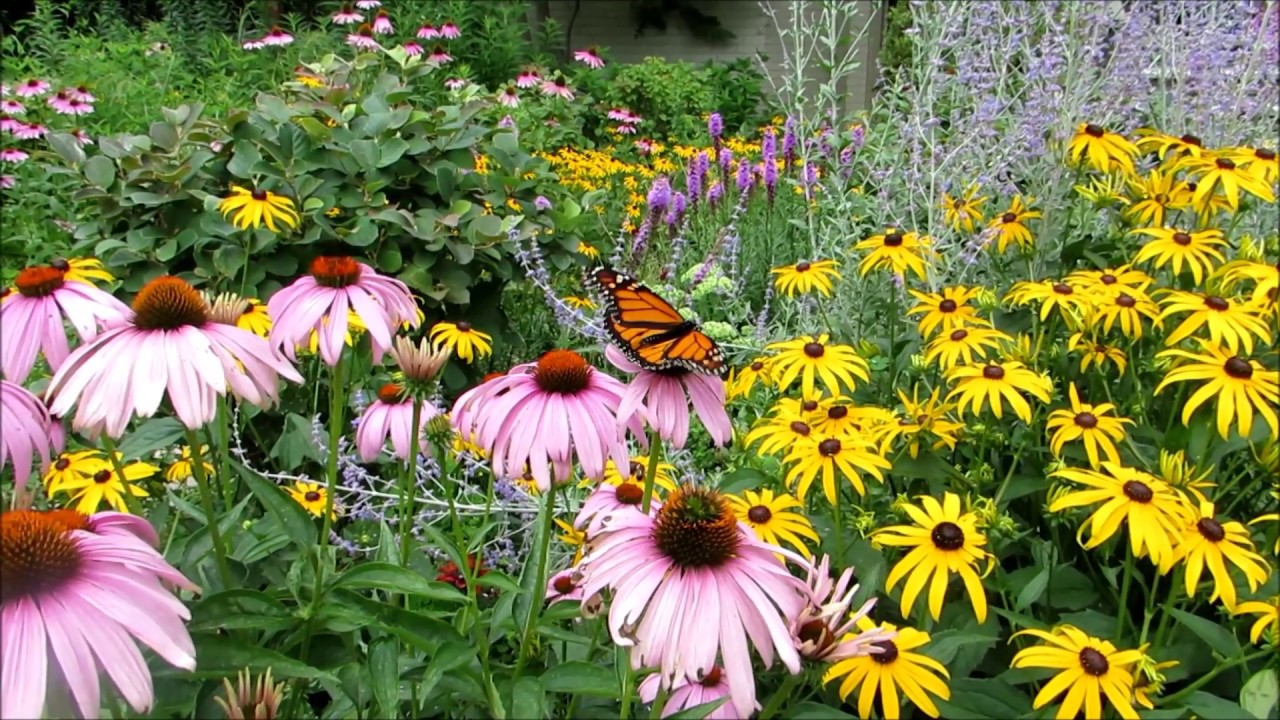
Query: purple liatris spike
[
  {"x": 696, "y": 175},
  {"x": 725, "y": 159},
  {"x": 744, "y": 176},
  {"x": 715, "y": 194},
  {"x": 659, "y": 195},
  {"x": 715, "y": 126},
  {"x": 769, "y": 175},
  {"x": 789, "y": 143},
  {"x": 769, "y": 146},
  {"x": 857, "y": 137},
  {"x": 675, "y": 213}
]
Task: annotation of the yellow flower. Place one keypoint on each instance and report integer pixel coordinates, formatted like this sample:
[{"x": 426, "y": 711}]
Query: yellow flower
[
  {"x": 1151, "y": 510},
  {"x": 105, "y": 484},
  {"x": 1087, "y": 668},
  {"x": 979, "y": 384},
  {"x": 1268, "y": 619},
  {"x": 851, "y": 455},
  {"x": 921, "y": 418},
  {"x": 773, "y": 519},
  {"x": 1157, "y": 198},
  {"x": 1148, "y": 681},
  {"x": 892, "y": 669},
  {"x": 1096, "y": 353},
  {"x": 943, "y": 541},
  {"x": 1129, "y": 307},
  {"x": 964, "y": 212},
  {"x": 462, "y": 339},
  {"x": 1105, "y": 190},
  {"x": 183, "y": 468},
  {"x": 1265, "y": 278},
  {"x": 254, "y": 207},
  {"x": 1162, "y": 144},
  {"x": 779, "y": 432},
  {"x": 963, "y": 346},
  {"x": 1262, "y": 162},
  {"x": 1230, "y": 324},
  {"x": 574, "y": 538},
  {"x": 580, "y": 303},
  {"x": 1220, "y": 175},
  {"x": 1209, "y": 542},
  {"x": 74, "y": 467},
  {"x": 354, "y": 326},
  {"x": 637, "y": 471},
  {"x": 838, "y": 417},
  {"x": 809, "y": 358},
  {"x": 83, "y": 270},
  {"x": 312, "y": 497},
  {"x": 805, "y": 277},
  {"x": 1051, "y": 294},
  {"x": 1095, "y": 426},
  {"x": 1109, "y": 280},
  {"x": 742, "y": 380},
  {"x": 947, "y": 310},
  {"x": 1183, "y": 475},
  {"x": 896, "y": 251},
  {"x": 255, "y": 318},
  {"x": 1238, "y": 386},
  {"x": 1011, "y": 225},
  {"x": 588, "y": 251},
  {"x": 1104, "y": 151},
  {"x": 309, "y": 80}
]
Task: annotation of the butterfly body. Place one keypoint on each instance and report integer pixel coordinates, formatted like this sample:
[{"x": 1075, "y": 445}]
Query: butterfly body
[{"x": 649, "y": 331}]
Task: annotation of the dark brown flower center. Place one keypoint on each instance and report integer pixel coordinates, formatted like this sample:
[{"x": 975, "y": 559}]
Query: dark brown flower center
[
  {"x": 564, "y": 584},
  {"x": 808, "y": 405},
  {"x": 312, "y": 496},
  {"x": 696, "y": 528},
  {"x": 60, "y": 264},
  {"x": 1125, "y": 300},
  {"x": 335, "y": 271},
  {"x": 1265, "y": 154},
  {"x": 803, "y": 267},
  {"x": 1216, "y": 303},
  {"x": 1238, "y": 368},
  {"x": 1086, "y": 420},
  {"x": 168, "y": 303},
  {"x": 463, "y": 327},
  {"x": 757, "y": 366},
  {"x": 993, "y": 372},
  {"x": 563, "y": 372},
  {"x": 959, "y": 334},
  {"x": 800, "y": 428},
  {"x": 259, "y": 195},
  {"x": 815, "y": 632},
  {"x": 1182, "y": 238},
  {"x": 1062, "y": 289},
  {"x": 1138, "y": 491},
  {"x": 712, "y": 678},
  {"x": 391, "y": 393},
  {"x": 1008, "y": 218},
  {"x": 1190, "y": 139},
  {"x": 41, "y": 281},
  {"x": 947, "y": 536},
  {"x": 1211, "y": 529},
  {"x": 62, "y": 464},
  {"x": 888, "y": 652},
  {"x": 947, "y": 306},
  {"x": 1108, "y": 279},
  {"x": 814, "y": 350},
  {"x": 629, "y": 493},
  {"x": 1094, "y": 131},
  {"x": 829, "y": 447},
  {"x": 893, "y": 239},
  {"x": 102, "y": 477},
  {"x": 838, "y": 412},
  {"x": 1162, "y": 199},
  {"x": 1094, "y": 662},
  {"x": 759, "y": 514},
  {"x": 1225, "y": 164},
  {"x": 37, "y": 552}
]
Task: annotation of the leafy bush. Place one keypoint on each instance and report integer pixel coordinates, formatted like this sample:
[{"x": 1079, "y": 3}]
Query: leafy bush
[{"x": 672, "y": 96}]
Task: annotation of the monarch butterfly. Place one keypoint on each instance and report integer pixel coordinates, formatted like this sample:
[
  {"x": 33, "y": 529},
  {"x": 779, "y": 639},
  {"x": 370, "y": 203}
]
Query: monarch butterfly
[{"x": 649, "y": 331}]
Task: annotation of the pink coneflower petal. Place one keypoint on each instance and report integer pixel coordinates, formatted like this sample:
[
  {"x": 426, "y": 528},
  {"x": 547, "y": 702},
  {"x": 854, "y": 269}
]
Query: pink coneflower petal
[
  {"x": 664, "y": 400},
  {"x": 428, "y": 32},
  {"x": 390, "y": 417},
  {"x": 25, "y": 423},
  {"x": 30, "y": 132},
  {"x": 81, "y": 93},
  {"x": 7, "y": 182},
  {"x": 13, "y": 155},
  {"x": 438, "y": 55},
  {"x": 449, "y": 31},
  {"x": 12, "y": 107},
  {"x": 346, "y": 16},
  {"x": 368, "y": 4},
  {"x": 589, "y": 57},
  {"x": 254, "y": 44},
  {"x": 363, "y": 38},
  {"x": 509, "y": 97},
  {"x": 32, "y": 88},
  {"x": 412, "y": 49},
  {"x": 81, "y": 137},
  {"x": 528, "y": 78},
  {"x": 455, "y": 83},
  {"x": 382, "y": 24},
  {"x": 686, "y": 694},
  {"x": 624, "y": 129},
  {"x": 277, "y": 38},
  {"x": 557, "y": 88}
]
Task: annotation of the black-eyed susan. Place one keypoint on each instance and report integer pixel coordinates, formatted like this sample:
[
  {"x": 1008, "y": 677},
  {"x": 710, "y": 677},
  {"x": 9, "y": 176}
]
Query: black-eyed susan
[
  {"x": 574, "y": 538},
  {"x": 1105, "y": 190},
  {"x": 106, "y": 485},
  {"x": 1011, "y": 225},
  {"x": 963, "y": 346},
  {"x": 463, "y": 339},
  {"x": 312, "y": 497},
  {"x": 1238, "y": 386},
  {"x": 774, "y": 519},
  {"x": 1109, "y": 280},
  {"x": 1051, "y": 295},
  {"x": 1208, "y": 542},
  {"x": 255, "y": 318},
  {"x": 810, "y": 358},
  {"x": 1095, "y": 426},
  {"x": 1264, "y": 277},
  {"x": 921, "y": 420},
  {"x": 1197, "y": 250},
  {"x": 1104, "y": 151},
  {"x": 1183, "y": 475},
  {"x": 1087, "y": 669},
  {"x": 183, "y": 469},
  {"x": 943, "y": 540},
  {"x": 850, "y": 456},
  {"x": 579, "y": 303},
  {"x": 1128, "y": 308},
  {"x": 1096, "y": 354},
  {"x": 1147, "y": 506},
  {"x": 839, "y": 416},
  {"x": 995, "y": 383},
  {"x": 1267, "y": 626},
  {"x": 1148, "y": 678},
  {"x": 638, "y": 471},
  {"x": 83, "y": 270},
  {"x": 1262, "y": 162},
  {"x": 947, "y": 310},
  {"x": 964, "y": 212},
  {"x": 588, "y": 251},
  {"x": 896, "y": 251},
  {"x": 778, "y": 433},
  {"x": 1220, "y": 175},
  {"x": 805, "y": 277},
  {"x": 74, "y": 467},
  {"x": 1174, "y": 147},
  {"x": 895, "y": 667},
  {"x": 1231, "y": 324},
  {"x": 1273, "y": 517},
  {"x": 1155, "y": 199},
  {"x": 743, "y": 380},
  {"x": 253, "y": 208}
]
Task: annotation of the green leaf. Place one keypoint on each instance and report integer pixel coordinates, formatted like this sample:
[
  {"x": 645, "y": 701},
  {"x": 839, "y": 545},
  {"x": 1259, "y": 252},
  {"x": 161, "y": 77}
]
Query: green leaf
[
  {"x": 506, "y": 142},
  {"x": 1070, "y": 589},
  {"x": 451, "y": 656},
  {"x": 246, "y": 156},
  {"x": 1261, "y": 693},
  {"x": 229, "y": 259},
  {"x": 240, "y": 608},
  {"x": 697, "y": 712},
  {"x": 100, "y": 171},
  {"x": 1032, "y": 591},
  {"x": 68, "y": 148},
  {"x": 527, "y": 699},
  {"x": 580, "y": 678},
  {"x": 393, "y": 578},
  {"x": 365, "y": 153},
  {"x": 743, "y": 479},
  {"x": 1214, "y": 635},
  {"x": 297, "y": 523},
  {"x": 974, "y": 699},
  {"x": 221, "y": 656},
  {"x": 151, "y": 435},
  {"x": 944, "y": 645},
  {"x": 815, "y": 711},
  {"x": 164, "y": 135},
  {"x": 1208, "y": 706},
  {"x": 384, "y": 671}
]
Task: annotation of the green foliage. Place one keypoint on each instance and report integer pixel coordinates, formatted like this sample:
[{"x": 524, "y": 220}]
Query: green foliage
[
  {"x": 895, "y": 50},
  {"x": 672, "y": 97}
]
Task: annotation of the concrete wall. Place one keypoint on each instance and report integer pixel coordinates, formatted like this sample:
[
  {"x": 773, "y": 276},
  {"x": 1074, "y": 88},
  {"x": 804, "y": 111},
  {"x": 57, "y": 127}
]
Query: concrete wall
[{"x": 609, "y": 24}]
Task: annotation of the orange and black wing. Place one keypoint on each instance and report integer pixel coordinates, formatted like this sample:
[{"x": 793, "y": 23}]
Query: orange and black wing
[{"x": 651, "y": 332}]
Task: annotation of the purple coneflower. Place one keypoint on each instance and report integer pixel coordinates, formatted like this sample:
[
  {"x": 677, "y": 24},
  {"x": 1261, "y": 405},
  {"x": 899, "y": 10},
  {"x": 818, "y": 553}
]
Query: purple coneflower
[
  {"x": 509, "y": 97},
  {"x": 558, "y": 88},
  {"x": 64, "y": 105},
  {"x": 319, "y": 302},
  {"x": 391, "y": 416},
  {"x": 26, "y": 425},
  {"x": 363, "y": 38},
  {"x": 438, "y": 55},
  {"x": 507, "y": 122},
  {"x": 4, "y": 90},
  {"x": 368, "y": 4},
  {"x": 382, "y": 23},
  {"x": 686, "y": 694},
  {"x": 619, "y": 114},
  {"x": 346, "y": 16},
  {"x": 13, "y": 155},
  {"x": 450, "y": 31},
  {"x": 546, "y": 414},
  {"x": 32, "y": 88},
  {"x": 541, "y": 203},
  {"x": 663, "y": 399},
  {"x": 528, "y": 78},
  {"x": 624, "y": 129},
  {"x": 12, "y": 107},
  {"x": 564, "y": 586},
  {"x": 412, "y": 49},
  {"x": 82, "y": 137},
  {"x": 817, "y": 630},
  {"x": 32, "y": 320},
  {"x": 455, "y": 83},
  {"x": 33, "y": 131},
  {"x": 81, "y": 93},
  {"x": 254, "y": 44},
  {"x": 7, "y": 182},
  {"x": 644, "y": 146},
  {"x": 276, "y": 37},
  {"x": 80, "y": 593},
  {"x": 168, "y": 345},
  {"x": 589, "y": 57},
  {"x": 10, "y": 125},
  {"x": 689, "y": 582},
  {"x": 428, "y": 32}
]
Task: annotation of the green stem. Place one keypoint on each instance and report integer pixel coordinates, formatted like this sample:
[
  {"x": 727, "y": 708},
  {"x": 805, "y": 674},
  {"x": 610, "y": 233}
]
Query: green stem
[
  {"x": 1123, "y": 611},
  {"x": 337, "y": 413},
  {"x": 206, "y": 502},
  {"x": 117, "y": 464},
  {"x": 1209, "y": 676},
  {"x": 780, "y": 697},
  {"x": 224, "y": 454},
  {"x": 1004, "y": 484},
  {"x": 837, "y": 522},
  {"x": 627, "y": 682},
  {"x": 651, "y": 472},
  {"x": 597, "y": 623},
  {"x": 407, "y": 485},
  {"x": 545, "y": 514}
]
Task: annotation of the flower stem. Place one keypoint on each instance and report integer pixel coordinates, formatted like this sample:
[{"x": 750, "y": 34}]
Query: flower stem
[
  {"x": 650, "y": 472},
  {"x": 1123, "y": 611},
  {"x": 1207, "y": 677},
  {"x": 337, "y": 406},
  {"x": 407, "y": 485},
  {"x": 837, "y": 522},
  {"x": 545, "y": 514},
  {"x": 224, "y": 454},
  {"x": 775, "y": 703},
  {"x": 206, "y": 502},
  {"x": 627, "y": 681},
  {"x": 117, "y": 465}
]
